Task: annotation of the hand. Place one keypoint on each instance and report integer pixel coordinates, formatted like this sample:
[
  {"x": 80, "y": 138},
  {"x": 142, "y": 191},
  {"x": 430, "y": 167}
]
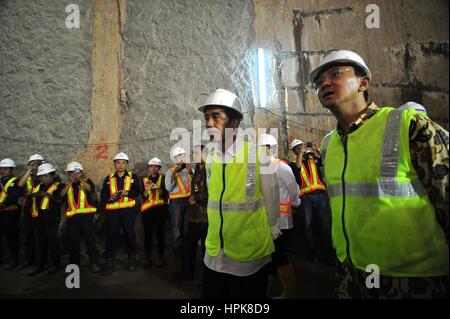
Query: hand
[
  {"x": 147, "y": 187},
  {"x": 192, "y": 200},
  {"x": 123, "y": 193},
  {"x": 154, "y": 186},
  {"x": 315, "y": 146}
]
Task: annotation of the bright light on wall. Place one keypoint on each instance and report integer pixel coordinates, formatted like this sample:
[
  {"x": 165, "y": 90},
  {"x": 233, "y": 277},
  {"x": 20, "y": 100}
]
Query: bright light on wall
[{"x": 261, "y": 78}]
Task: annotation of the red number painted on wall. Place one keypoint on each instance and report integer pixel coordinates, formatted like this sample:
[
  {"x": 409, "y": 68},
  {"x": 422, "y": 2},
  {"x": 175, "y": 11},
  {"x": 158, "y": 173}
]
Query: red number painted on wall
[{"x": 101, "y": 152}]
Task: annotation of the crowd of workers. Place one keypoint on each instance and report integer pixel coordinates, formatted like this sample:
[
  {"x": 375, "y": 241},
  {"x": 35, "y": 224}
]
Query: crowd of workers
[{"x": 376, "y": 188}]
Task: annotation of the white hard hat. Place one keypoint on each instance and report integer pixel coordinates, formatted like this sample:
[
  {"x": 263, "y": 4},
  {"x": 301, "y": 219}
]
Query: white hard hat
[
  {"x": 35, "y": 157},
  {"x": 155, "y": 161},
  {"x": 267, "y": 139},
  {"x": 45, "y": 169},
  {"x": 414, "y": 106},
  {"x": 225, "y": 99},
  {"x": 7, "y": 162},
  {"x": 74, "y": 166},
  {"x": 341, "y": 56},
  {"x": 294, "y": 143},
  {"x": 121, "y": 156},
  {"x": 177, "y": 151}
]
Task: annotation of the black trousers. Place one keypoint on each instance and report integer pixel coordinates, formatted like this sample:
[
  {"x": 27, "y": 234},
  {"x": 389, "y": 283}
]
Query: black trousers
[
  {"x": 9, "y": 228},
  {"x": 153, "y": 222},
  {"x": 218, "y": 285},
  {"x": 317, "y": 216},
  {"x": 28, "y": 236},
  {"x": 81, "y": 226},
  {"x": 124, "y": 218},
  {"x": 196, "y": 232},
  {"x": 46, "y": 239}
]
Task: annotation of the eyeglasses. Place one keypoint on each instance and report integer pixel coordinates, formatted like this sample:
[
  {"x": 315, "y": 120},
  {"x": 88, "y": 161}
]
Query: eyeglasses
[{"x": 334, "y": 74}]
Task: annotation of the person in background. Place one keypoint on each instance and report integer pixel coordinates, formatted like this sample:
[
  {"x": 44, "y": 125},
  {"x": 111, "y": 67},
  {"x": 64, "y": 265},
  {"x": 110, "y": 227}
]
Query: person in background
[{"x": 154, "y": 211}]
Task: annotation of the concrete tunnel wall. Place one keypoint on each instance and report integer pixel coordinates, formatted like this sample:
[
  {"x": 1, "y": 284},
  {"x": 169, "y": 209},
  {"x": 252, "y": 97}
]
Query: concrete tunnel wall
[{"x": 136, "y": 69}]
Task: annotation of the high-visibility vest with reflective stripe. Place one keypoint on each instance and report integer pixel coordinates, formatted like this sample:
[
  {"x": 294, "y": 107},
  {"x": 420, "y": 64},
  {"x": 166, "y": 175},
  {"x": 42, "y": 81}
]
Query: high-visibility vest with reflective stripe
[
  {"x": 29, "y": 188},
  {"x": 4, "y": 192},
  {"x": 286, "y": 219},
  {"x": 382, "y": 214},
  {"x": 154, "y": 197},
  {"x": 124, "y": 202},
  {"x": 310, "y": 182},
  {"x": 183, "y": 189},
  {"x": 237, "y": 216},
  {"x": 82, "y": 207},
  {"x": 44, "y": 202}
]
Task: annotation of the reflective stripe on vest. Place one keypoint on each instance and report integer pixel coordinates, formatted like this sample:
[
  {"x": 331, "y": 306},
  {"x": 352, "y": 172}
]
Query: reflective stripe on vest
[
  {"x": 82, "y": 207},
  {"x": 310, "y": 182},
  {"x": 388, "y": 217},
  {"x": 237, "y": 216},
  {"x": 286, "y": 208},
  {"x": 154, "y": 197},
  {"x": 29, "y": 188},
  {"x": 183, "y": 190},
  {"x": 4, "y": 191},
  {"x": 45, "y": 201},
  {"x": 123, "y": 202}
]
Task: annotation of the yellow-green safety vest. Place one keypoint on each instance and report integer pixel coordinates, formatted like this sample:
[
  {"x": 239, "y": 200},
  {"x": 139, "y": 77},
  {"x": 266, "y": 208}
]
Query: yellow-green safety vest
[
  {"x": 4, "y": 192},
  {"x": 237, "y": 216},
  {"x": 381, "y": 213}
]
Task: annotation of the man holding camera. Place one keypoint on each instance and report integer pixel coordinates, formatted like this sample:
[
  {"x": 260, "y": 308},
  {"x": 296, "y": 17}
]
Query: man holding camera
[
  {"x": 178, "y": 184},
  {"x": 154, "y": 211},
  {"x": 81, "y": 208},
  {"x": 29, "y": 181},
  {"x": 119, "y": 192},
  {"x": 315, "y": 204}
]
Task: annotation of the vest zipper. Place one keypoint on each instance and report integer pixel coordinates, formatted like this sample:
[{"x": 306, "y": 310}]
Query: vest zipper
[
  {"x": 220, "y": 206},
  {"x": 344, "y": 142}
]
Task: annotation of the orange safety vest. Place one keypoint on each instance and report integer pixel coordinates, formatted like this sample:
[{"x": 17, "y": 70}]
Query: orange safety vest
[
  {"x": 286, "y": 208},
  {"x": 82, "y": 207},
  {"x": 183, "y": 190},
  {"x": 4, "y": 191},
  {"x": 154, "y": 197},
  {"x": 311, "y": 182},
  {"x": 45, "y": 201},
  {"x": 124, "y": 202}
]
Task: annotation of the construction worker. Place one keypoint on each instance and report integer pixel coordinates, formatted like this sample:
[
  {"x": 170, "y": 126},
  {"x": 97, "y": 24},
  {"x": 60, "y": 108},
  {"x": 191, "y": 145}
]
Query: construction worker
[
  {"x": 81, "y": 207},
  {"x": 119, "y": 192},
  {"x": 197, "y": 217},
  {"x": 29, "y": 181},
  {"x": 46, "y": 213},
  {"x": 289, "y": 197},
  {"x": 154, "y": 211},
  {"x": 243, "y": 209},
  {"x": 315, "y": 202},
  {"x": 9, "y": 210},
  {"x": 178, "y": 184},
  {"x": 387, "y": 176}
]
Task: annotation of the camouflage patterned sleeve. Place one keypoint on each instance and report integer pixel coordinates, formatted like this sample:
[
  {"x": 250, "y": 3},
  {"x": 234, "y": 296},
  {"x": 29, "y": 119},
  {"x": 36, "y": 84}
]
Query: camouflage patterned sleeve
[{"x": 429, "y": 144}]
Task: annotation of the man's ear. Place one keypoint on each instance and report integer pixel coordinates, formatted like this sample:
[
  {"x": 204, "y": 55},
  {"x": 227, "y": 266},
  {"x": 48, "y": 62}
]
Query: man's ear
[
  {"x": 364, "y": 83},
  {"x": 234, "y": 123}
]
